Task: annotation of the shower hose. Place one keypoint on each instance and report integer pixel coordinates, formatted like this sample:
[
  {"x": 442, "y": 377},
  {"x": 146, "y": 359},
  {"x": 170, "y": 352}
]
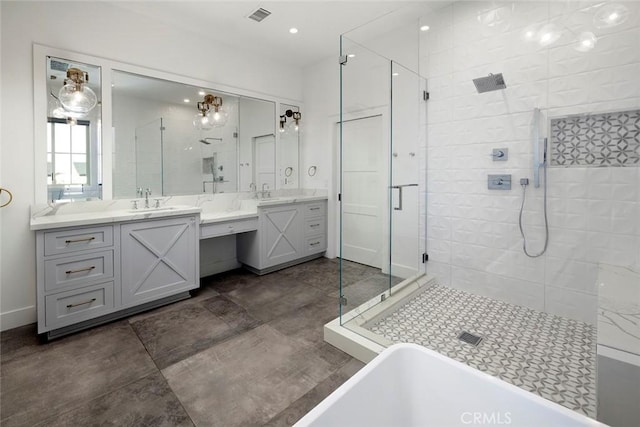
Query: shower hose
[{"x": 546, "y": 220}]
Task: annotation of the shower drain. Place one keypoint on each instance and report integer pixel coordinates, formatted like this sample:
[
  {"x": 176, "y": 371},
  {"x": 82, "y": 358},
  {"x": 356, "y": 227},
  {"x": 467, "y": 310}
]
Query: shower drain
[{"x": 470, "y": 338}]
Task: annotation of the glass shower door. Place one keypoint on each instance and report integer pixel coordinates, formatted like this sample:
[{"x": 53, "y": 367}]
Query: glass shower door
[
  {"x": 364, "y": 140},
  {"x": 407, "y": 171}
]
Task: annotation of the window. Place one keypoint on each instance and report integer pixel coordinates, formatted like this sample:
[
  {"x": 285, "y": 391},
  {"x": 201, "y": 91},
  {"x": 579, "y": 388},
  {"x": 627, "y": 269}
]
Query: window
[{"x": 67, "y": 152}]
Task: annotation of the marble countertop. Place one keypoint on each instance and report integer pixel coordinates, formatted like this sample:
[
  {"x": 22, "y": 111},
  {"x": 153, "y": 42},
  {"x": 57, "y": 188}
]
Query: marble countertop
[
  {"x": 213, "y": 208},
  {"x": 103, "y": 217}
]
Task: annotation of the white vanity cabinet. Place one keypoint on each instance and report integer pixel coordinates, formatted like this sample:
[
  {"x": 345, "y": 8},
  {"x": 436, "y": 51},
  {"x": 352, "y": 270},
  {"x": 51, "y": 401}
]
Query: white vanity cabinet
[
  {"x": 287, "y": 234},
  {"x": 92, "y": 274},
  {"x": 158, "y": 258}
]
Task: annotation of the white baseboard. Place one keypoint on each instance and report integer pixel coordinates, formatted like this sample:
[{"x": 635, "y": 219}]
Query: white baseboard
[{"x": 20, "y": 317}]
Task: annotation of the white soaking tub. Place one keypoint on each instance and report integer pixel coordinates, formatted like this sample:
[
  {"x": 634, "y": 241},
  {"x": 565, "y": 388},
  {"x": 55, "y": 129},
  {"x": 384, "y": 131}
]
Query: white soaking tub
[{"x": 411, "y": 386}]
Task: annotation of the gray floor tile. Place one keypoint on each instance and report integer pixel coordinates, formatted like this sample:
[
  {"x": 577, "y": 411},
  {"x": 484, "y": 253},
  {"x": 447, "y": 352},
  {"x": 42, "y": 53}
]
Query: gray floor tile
[
  {"x": 306, "y": 323},
  {"x": 246, "y": 380},
  {"x": 230, "y": 280},
  {"x": 19, "y": 342},
  {"x": 70, "y": 371},
  {"x": 300, "y": 407},
  {"x": 231, "y": 313},
  {"x": 176, "y": 334},
  {"x": 274, "y": 296},
  {"x": 146, "y": 402}
]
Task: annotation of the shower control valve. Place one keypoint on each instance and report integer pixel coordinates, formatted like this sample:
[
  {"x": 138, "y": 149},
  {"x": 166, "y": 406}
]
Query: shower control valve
[
  {"x": 499, "y": 182},
  {"x": 500, "y": 154}
]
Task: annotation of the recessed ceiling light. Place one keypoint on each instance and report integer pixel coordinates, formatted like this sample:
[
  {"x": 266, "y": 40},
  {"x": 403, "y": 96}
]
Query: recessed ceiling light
[
  {"x": 201, "y": 93},
  {"x": 424, "y": 28},
  {"x": 351, "y": 55},
  {"x": 293, "y": 30},
  {"x": 186, "y": 100}
]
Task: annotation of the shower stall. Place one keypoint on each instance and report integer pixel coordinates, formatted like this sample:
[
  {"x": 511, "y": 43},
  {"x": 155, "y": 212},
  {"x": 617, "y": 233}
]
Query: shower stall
[{"x": 490, "y": 192}]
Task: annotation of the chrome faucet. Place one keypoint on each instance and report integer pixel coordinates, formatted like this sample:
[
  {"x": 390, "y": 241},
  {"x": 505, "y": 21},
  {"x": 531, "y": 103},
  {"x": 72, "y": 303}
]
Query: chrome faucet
[{"x": 147, "y": 193}]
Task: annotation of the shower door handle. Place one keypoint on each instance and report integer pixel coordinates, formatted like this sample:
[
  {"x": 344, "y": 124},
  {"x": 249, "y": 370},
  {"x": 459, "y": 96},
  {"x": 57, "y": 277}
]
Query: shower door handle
[{"x": 400, "y": 197}]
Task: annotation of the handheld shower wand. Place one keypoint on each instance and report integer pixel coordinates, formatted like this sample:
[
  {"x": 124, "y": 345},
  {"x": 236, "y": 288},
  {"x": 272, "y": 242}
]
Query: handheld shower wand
[{"x": 539, "y": 152}]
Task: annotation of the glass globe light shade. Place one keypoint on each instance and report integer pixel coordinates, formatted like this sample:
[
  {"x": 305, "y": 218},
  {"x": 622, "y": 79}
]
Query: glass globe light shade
[
  {"x": 218, "y": 118},
  {"x": 77, "y": 98},
  {"x": 202, "y": 122},
  {"x": 57, "y": 111}
]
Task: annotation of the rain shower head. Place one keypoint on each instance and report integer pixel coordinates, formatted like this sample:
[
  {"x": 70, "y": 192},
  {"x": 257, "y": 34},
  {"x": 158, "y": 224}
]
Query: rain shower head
[
  {"x": 490, "y": 83},
  {"x": 206, "y": 140}
]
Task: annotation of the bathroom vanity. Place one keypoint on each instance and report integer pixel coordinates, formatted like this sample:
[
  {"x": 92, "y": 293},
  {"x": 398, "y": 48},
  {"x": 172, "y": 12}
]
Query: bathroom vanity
[
  {"x": 129, "y": 263},
  {"x": 290, "y": 233},
  {"x": 99, "y": 261}
]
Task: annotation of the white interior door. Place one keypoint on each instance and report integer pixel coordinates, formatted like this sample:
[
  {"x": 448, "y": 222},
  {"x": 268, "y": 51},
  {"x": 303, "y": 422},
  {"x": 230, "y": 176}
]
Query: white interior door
[
  {"x": 265, "y": 161},
  {"x": 363, "y": 191}
]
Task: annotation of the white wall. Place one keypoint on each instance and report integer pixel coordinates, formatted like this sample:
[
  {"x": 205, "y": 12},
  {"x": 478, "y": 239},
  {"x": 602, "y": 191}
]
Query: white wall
[
  {"x": 473, "y": 238},
  {"x": 101, "y": 30}
]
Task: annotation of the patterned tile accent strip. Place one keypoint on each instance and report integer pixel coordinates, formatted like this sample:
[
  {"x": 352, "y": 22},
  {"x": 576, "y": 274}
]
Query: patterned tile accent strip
[
  {"x": 601, "y": 140},
  {"x": 545, "y": 354}
]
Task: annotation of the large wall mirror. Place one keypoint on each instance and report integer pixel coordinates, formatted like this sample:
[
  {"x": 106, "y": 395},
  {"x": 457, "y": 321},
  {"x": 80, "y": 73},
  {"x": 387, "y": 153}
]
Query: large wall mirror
[
  {"x": 162, "y": 141},
  {"x": 153, "y": 130},
  {"x": 73, "y": 130}
]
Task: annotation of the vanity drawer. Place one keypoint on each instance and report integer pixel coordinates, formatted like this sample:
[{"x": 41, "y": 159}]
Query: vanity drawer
[
  {"x": 315, "y": 209},
  {"x": 68, "y": 241},
  {"x": 314, "y": 226},
  {"x": 315, "y": 244},
  {"x": 78, "y": 305},
  {"x": 229, "y": 227},
  {"x": 77, "y": 270}
]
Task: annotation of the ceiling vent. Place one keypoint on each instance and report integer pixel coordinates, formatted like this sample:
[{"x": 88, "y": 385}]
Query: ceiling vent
[{"x": 259, "y": 14}]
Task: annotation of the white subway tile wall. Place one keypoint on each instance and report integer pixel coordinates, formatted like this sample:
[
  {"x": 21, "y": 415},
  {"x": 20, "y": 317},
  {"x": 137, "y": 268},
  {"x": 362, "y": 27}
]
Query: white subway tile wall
[{"x": 473, "y": 238}]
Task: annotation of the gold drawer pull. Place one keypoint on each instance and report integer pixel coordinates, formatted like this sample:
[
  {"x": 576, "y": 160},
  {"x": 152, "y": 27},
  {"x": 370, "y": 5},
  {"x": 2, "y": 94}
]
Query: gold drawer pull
[
  {"x": 88, "y": 239},
  {"x": 315, "y": 243},
  {"x": 81, "y": 303},
  {"x": 81, "y": 270},
  {"x": 315, "y": 225},
  {"x": 314, "y": 209}
]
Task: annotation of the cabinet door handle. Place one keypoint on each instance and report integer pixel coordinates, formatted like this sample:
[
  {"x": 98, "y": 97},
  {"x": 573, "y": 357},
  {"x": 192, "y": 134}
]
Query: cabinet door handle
[
  {"x": 81, "y": 303},
  {"x": 80, "y": 270},
  {"x": 315, "y": 243},
  {"x": 88, "y": 239}
]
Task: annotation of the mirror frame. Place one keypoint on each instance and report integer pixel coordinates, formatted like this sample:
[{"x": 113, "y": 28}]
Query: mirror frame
[{"x": 40, "y": 53}]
